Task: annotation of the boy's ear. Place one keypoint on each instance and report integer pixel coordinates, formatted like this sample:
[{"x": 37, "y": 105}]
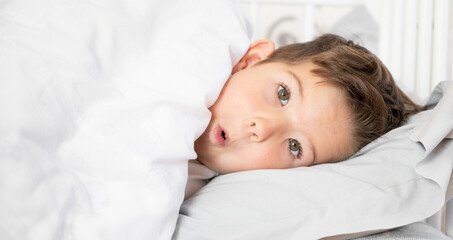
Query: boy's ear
[{"x": 257, "y": 51}]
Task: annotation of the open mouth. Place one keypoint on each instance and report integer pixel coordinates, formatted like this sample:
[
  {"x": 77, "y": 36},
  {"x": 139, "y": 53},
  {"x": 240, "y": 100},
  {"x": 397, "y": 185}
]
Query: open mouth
[{"x": 221, "y": 137}]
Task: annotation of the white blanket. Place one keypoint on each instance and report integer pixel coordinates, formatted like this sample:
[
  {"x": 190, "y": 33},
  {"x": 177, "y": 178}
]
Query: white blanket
[{"x": 100, "y": 103}]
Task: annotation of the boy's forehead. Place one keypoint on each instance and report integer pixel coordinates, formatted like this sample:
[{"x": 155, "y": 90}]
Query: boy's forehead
[{"x": 328, "y": 120}]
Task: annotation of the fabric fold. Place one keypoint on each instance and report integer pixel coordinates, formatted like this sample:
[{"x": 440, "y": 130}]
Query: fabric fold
[{"x": 435, "y": 134}]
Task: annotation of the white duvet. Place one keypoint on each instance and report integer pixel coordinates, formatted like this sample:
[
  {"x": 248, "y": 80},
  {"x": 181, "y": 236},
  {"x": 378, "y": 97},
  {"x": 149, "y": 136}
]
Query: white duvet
[{"x": 100, "y": 103}]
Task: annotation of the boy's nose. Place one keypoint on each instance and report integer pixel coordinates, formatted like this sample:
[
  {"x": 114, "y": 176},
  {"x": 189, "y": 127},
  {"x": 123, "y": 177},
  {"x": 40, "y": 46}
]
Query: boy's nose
[{"x": 261, "y": 128}]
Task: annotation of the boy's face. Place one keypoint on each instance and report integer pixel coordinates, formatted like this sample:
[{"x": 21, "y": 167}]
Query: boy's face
[{"x": 275, "y": 116}]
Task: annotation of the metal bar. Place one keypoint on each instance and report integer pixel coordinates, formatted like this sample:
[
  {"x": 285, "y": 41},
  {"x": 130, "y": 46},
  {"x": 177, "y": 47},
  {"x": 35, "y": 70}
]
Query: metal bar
[
  {"x": 424, "y": 48},
  {"x": 410, "y": 46},
  {"x": 396, "y": 38},
  {"x": 309, "y": 23},
  {"x": 440, "y": 42},
  {"x": 254, "y": 18},
  {"x": 385, "y": 32}
]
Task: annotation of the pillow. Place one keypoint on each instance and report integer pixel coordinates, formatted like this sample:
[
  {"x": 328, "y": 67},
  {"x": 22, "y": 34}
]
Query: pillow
[
  {"x": 101, "y": 102},
  {"x": 377, "y": 188},
  {"x": 413, "y": 231}
]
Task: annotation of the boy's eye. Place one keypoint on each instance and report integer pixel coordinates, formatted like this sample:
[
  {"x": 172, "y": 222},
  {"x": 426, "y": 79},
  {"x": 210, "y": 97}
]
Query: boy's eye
[
  {"x": 294, "y": 147},
  {"x": 283, "y": 95}
]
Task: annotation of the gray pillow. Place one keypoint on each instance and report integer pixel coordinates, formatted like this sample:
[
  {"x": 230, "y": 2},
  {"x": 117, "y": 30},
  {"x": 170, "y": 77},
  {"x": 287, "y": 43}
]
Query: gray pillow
[{"x": 414, "y": 231}]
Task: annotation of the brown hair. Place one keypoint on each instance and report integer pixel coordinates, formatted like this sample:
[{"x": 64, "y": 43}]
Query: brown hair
[{"x": 376, "y": 102}]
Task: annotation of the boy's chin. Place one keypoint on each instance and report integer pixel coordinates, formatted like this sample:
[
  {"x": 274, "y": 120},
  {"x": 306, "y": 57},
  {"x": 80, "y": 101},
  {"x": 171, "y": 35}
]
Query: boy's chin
[
  {"x": 210, "y": 163},
  {"x": 206, "y": 162}
]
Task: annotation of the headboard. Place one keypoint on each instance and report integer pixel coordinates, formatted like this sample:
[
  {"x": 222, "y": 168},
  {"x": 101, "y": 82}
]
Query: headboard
[{"x": 414, "y": 38}]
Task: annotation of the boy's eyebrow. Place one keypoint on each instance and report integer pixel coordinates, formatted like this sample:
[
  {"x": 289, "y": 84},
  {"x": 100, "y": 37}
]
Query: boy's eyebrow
[{"x": 297, "y": 79}]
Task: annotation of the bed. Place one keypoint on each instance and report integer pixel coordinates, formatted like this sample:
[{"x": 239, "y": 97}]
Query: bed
[
  {"x": 392, "y": 182},
  {"x": 102, "y": 100}
]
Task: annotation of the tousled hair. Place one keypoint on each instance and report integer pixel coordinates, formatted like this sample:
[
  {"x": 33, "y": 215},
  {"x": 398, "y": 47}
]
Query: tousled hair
[{"x": 375, "y": 101}]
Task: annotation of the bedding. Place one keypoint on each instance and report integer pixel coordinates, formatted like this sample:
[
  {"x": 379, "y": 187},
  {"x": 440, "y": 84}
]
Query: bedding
[
  {"x": 100, "y": 104},
  {"x": 400, "y": 178},
  {"x": 413, "y": 231}
]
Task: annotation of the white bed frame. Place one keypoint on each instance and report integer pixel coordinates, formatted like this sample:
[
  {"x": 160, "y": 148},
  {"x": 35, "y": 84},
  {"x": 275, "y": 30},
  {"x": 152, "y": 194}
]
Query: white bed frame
[
  {"x": 415, "y": 38},
  {"x": 415, "y": 42}
]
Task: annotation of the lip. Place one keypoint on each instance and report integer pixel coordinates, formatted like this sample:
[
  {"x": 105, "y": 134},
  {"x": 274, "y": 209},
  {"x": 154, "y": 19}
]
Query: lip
[{"x": 220, "y": 136}]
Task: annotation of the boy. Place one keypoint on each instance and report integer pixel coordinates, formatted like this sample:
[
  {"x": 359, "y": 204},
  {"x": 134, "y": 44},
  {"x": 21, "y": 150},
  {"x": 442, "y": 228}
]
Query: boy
[{"x": 300, "y": 105}]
